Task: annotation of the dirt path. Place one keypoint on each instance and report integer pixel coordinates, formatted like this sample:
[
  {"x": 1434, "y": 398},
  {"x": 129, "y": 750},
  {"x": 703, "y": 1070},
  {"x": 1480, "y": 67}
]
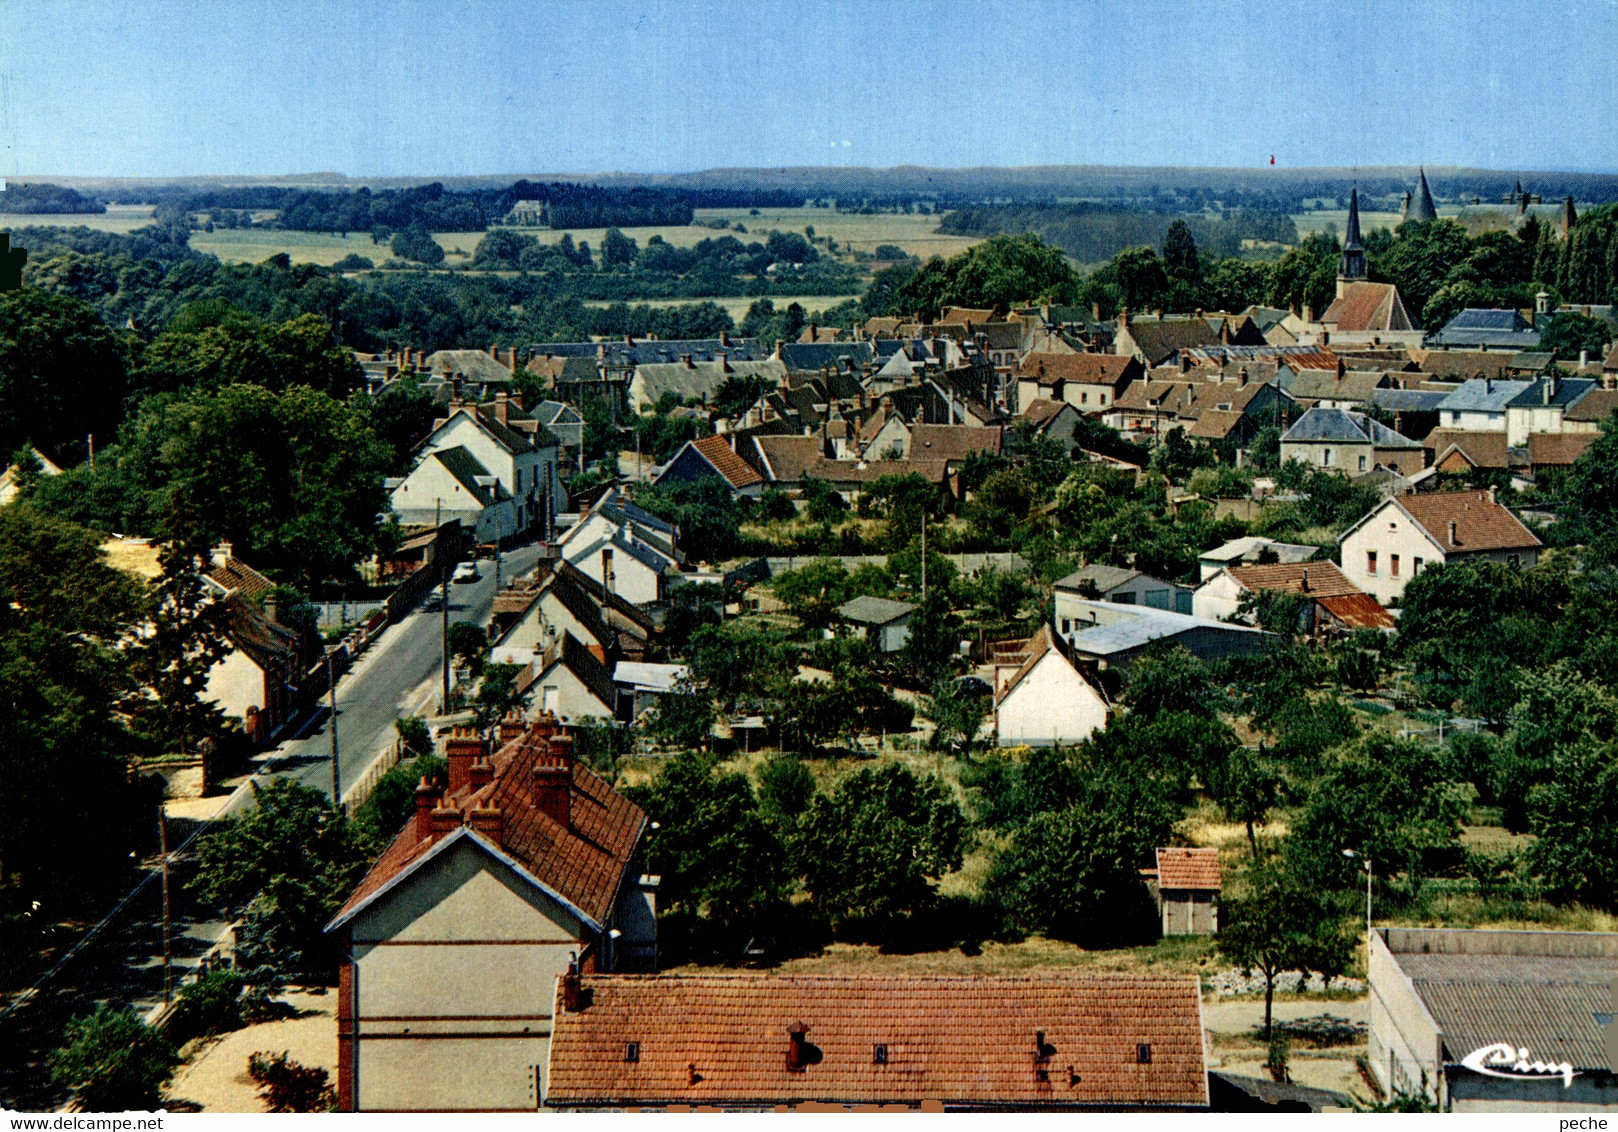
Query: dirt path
[{"x": 216, "y": 1076}]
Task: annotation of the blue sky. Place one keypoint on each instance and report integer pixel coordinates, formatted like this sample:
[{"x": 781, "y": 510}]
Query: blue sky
[{"x": 159, "y": 88}]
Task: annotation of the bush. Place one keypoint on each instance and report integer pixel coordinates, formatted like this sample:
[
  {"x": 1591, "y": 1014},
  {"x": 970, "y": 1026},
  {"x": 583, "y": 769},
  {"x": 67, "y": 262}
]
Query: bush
[
  {"x": 224, "y": 1000},
  {"x": 113, "y": 1061},
  {"x": 287, "y": 1086}
]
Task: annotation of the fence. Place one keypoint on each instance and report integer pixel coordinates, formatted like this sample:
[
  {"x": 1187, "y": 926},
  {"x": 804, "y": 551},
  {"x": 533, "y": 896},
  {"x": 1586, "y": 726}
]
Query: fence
[{"x": 354, "y": 797}]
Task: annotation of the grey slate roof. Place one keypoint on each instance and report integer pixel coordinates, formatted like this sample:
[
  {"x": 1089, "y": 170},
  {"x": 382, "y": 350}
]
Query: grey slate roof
[
  {"x": 1248, "y": 549},
  {"x": 805, "y": 356},
  {"x": 1104, "y": 577},
  {"x": 1563, "y": 391},
  {"x": 1408, "y": 400},
  {"x": 467, "y": 470},
  {"x": 868, "y": 610},
  {"x": 1344, "y": 427},
  {"x": 1483, "y": 395}
]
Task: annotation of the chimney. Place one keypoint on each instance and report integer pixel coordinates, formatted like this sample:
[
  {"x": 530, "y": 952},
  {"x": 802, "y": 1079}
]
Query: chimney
[
  {"x": 572, "y": 992},
  {"x": 502, "y": 409},
  {"x": 1158, "y": 314},
  {"x": 1452, "y": 541},
  {"x": 427, "y": 795},
  {"x": 480, "y": 774},
  {"x": 723, "y": 360},
  {"x": 1584, "y": 358},
  {"x": 1185, "y": 361},
  {"x": 463, "y": 747},
  {"x": 797, "y": 1040},
  {"x": 489, "y": 821},
  {"x": 271, "y": 608},
  {"x": 1547, "y": 388},
  {"x": 1241, "y": 378},
  {"x": 513, "y": 726},
  {"x": 685, "y": 360},
  {"x": 606, "y": 569},
  {"x": 1493, "y": 493},
  {"x": 552, "y": 792},
  {"x": 444, "y": 819},
  {"x": 1123, "y": 319},
  {"x": 1095, "y": 310},
  {"x": 814, "y": 331},
  {"x": 513, "y": 356},
  {"x": 724, "y": 339},
  {"x": 494, "y": 351},
  {"x": 1308, "y": 312}
]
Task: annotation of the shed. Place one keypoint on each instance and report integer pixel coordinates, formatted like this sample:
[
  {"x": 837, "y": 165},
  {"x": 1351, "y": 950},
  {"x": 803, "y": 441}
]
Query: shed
[
  {"x": 886, "y": 623},
  {"x": 1186, "y": 887}
]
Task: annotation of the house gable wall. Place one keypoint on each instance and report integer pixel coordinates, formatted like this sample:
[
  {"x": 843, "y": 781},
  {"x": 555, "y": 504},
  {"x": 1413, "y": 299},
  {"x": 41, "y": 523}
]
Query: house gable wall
[{"x": 1052, "y": 704}]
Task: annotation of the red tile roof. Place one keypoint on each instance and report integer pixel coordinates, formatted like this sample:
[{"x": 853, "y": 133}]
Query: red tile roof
[
  {"x": 1041, "y": 412},
  {"x": 1367, "y": 307},
  {"x": 1483, "y": 449},
  {"x": 1558, "y": 450},
  {"x": 583, "y": 862},
  {"x": 1085, "y": 369},
  {"x": 718, "y": 452},
  {"x": 1188, "y": 868},
  {"x": 1058, "y": 1039},
  {"x": 1324, "y": 579},
  {"x": 1480, "y": 525},
  {"x": 952, "y": 442},
  {"x": 235, "y": 575}
]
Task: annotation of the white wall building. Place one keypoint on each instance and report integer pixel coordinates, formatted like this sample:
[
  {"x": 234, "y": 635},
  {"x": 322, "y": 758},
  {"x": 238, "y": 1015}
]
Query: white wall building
[
  {"x": 1048, "y": 701},
  {"x": 1406, "y": 534}
]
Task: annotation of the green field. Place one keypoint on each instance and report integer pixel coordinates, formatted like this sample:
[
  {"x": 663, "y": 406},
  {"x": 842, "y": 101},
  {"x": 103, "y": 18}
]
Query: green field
[
  {"x": 118, "y": 218},
  {"x": 863, "y": 233}
]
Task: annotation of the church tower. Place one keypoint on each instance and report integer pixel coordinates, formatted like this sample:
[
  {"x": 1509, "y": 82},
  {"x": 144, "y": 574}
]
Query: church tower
[
  {"x": 1421, "y": 206},
  {"x": 1353, "y": 268}
]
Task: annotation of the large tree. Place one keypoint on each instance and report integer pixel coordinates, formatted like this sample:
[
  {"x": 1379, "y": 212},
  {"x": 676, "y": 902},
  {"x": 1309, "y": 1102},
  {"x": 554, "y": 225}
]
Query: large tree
[
  {"x": 63, "y": 374},
  {"x": 293, "y": 479}
]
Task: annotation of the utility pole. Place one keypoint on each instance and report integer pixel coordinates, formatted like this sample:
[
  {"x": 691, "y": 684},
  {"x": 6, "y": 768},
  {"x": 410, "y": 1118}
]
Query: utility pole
[
  {"x": 924, "y": 556},
  {"x": 331, "y": 690},
  {"x": 443, "y": 586},
  {"x": 168, "y": 933}
]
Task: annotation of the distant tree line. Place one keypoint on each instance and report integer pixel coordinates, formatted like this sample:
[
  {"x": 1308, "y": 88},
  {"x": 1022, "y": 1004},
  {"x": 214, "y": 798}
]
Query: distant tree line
[
  {"x": 1090, "y": 232},
  {"x": 46, "y": 199}
]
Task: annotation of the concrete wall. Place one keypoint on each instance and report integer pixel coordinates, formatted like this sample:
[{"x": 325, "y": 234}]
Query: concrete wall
[
  {"x": 1053, "y": 705},
  {"x": 236, "y": 684},
  {"x": 1403, "y": 1050},
  {"x": 1350, "y": 458},
  {"x": 455, "y": 976}
]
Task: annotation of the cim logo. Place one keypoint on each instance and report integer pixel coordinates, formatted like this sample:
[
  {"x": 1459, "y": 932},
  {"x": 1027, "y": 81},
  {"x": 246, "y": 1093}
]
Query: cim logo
[{"x": 1516, "y": 1063}]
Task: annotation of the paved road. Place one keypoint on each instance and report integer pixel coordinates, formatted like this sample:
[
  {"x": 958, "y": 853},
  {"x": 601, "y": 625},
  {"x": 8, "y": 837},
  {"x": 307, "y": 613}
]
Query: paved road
[
  {"x": 123, "y": 964},
  {"x": 388, "y": 681}
]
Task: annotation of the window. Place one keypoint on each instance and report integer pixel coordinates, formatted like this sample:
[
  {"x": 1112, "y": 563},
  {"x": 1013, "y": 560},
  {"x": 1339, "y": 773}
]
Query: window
[
  {"x": 1393, "y": 565},
  {"x": 1103, "y": 398},
  {"x": 879, "y": 1054},
  {"x": 631, "y": 1051},
  {"x": 1415, "y": 567},
  {"x": 1512, "y": 561},
  {"x": 1370, "y": 562},
  {"x": 1362, "y": 463},
  {"x": 1084, "y": 398},
  {"x": 1143, "y": 1053},
  {"x": 1325, "y": 458},
  {"x": 1065, "y": 624}
]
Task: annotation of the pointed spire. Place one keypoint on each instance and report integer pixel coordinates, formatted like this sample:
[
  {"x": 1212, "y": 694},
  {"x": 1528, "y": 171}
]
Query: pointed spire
[
  {"x": 1353, "y": 253},
  {"x": 1351, "y": 238},
  {"x": 1421, "y": 209}
]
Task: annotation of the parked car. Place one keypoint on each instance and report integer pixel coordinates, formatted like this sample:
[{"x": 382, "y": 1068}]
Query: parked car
[{"x": 466, "y": 572}]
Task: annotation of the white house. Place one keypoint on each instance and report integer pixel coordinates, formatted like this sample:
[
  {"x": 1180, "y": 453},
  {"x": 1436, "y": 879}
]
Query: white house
[
  {"x": 450, "y": 483},
  {"x": 1538, "y": 410},
  {"x": 624, "y": 548},
  {"x": 525, "y": 467},
  {"x": 1407, "y": 533},
  {"x": 523, "y": 863},
  {"x": 1479, "y": 405},
  {"x": 1048, "y": 701},
  {"x": 1334, "y": 600},
  {"x": 573, "y": 684}
]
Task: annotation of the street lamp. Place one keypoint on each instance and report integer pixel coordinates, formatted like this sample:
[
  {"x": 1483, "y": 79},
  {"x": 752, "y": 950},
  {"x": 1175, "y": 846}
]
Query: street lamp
[{"x": 1365, "y": 862}]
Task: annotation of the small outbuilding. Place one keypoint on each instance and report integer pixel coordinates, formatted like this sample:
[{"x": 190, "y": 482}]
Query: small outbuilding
[
  {"x": 886, "y": 624},
  {"x": 1186, "y": 889}
]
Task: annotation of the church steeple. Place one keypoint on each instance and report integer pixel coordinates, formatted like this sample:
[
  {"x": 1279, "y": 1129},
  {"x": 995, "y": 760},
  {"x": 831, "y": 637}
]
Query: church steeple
[{"x": 1353, "y": 267}]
